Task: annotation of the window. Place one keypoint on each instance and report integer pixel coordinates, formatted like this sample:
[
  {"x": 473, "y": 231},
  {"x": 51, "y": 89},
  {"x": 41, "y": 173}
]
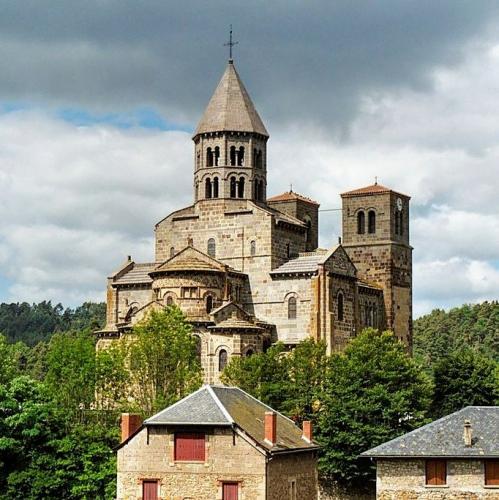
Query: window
[
  {"x": 340, "y": 306},
  {"x": 233, "y": 187},
  {"x": 257, "y": 158},
  {"x": 209, "y": 157},
  {"x": 230, "y": 491},
  {"x": 233, "y": 155},
  {"x": 212, "y": 247},
  {"x": 216, "y": 156},
  {"x": 253, "y": 248},
  {"x": 371, "y": 222},
  {"x": 172, "y": 252},
  {"x": 361, "y": 223},
  {"x": 207, "y": 189},
  {"x": 308, "y": 222},
  {"x": 492, "y": 472},
  {"x": 260, "y": 191},
  {"x": 288, "y": 250},
  {"x": 240, "y": 156},
  {"x": 249, "y": 353},
  {"x": 292, "y": 308},
  {"x": 150, "y": 490},
  {"x": 169, "y": 301},
  {"x": 222, "y": 360},
  {"x": 436, "y": 472},
  {"x": 189, "y": 292},
  {"x": 189, "y": 446},
  {"x": 240, "y": 188},
  {"x": 215, "y": 187},
  {"x": 209, "y": 304},
  {"x": 292, "y": 489}
]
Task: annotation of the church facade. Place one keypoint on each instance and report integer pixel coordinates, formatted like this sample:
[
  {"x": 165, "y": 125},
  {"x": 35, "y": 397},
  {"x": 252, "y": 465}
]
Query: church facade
[{"x": 247, "y": 270}]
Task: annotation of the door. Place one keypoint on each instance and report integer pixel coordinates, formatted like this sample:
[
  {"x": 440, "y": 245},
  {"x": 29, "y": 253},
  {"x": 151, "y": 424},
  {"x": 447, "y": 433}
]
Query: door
[
  {"x": 150, "y": 490},
  {"x": 230, "y": 491}
]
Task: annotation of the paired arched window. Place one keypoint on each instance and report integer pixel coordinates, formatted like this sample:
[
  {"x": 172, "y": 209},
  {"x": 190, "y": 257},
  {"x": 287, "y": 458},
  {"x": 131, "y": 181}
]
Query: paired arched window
[
  {"x": 361, "y": 222},
  {"x": 222, "y": 360},
  {"x": 340, "y": 306},
  {"x": 371, "y": 222},
  {"x": 209, "y": 303},
  {"x": 211, "y": 188},
  {"x": 212, "y": 248},
  {"x": 292, "y": 308},
  {"x": 240, "y": 188},
  {"x": 236, "y": 156},
  {"x": 253, "y": 248},
  {"x": 172, "y": 252}
]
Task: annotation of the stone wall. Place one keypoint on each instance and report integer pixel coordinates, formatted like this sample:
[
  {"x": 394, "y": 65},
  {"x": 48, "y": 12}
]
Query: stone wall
[
  {"x": 228, "y": 458},
  {"x": 405, "y": 480},
  {"x": 298, "y": 468}
]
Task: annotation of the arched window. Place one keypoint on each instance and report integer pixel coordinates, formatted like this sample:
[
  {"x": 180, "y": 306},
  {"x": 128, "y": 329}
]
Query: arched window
[
  {"x": 172, "y": 252},
  {"x": 209, "y": 157},
  {"x": 255, "y": 189},
  {"x": 169, "y": 300},
  {"x": 216, "y": 155},
  {"x": 209, "y": 303},
  {"x": 308, "y": 222},
  {"x": 340, "y": 306},
  {"x": 198, "y": 347},
  {"x": 207, "y": 188},
  {"x": 233, "y": 187},
  {"x": 361, "y": 223},
  {"x": 240, "y": 188},
  {"x": 257, "y": 158},
  {"x": 292, "y": 308},
  {"x": 222, "y": 360},
  {"x": 240, "y": 156},
  {"x": 253, "y": 248},
  {"x": 249, "y": 353},
  {"x": 260, "y": 191},
  {"x": 233, "y": 155},
  {"x": 211, "y": 247},
  {"x": 371, "y": 222},
  {"x": 215, "y": 187}
]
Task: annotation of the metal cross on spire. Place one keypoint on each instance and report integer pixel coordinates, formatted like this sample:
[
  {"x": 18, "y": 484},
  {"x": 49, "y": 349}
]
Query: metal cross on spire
[{"x": 230, "y": 44}]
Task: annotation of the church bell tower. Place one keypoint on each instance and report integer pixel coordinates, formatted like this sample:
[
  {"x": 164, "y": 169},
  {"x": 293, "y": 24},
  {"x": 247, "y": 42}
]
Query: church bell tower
[{"x": 230, "y": 145}]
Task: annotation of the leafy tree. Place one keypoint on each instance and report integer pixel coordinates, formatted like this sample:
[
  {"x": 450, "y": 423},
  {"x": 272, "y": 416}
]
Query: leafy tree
[
  {"x": 12, "y": 359},
  {"x": 464, "y": 378},
  {"x": 371, "y": 393},
  {"x": 164, "y": 365}
]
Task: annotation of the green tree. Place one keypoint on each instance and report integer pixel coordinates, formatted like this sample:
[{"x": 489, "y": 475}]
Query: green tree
[
  {"x": 371, "y": 393},
  {"x": 164, "y": 365},
  {"x": 12, "y": 359},
  {"x": 464, "y": 378}
]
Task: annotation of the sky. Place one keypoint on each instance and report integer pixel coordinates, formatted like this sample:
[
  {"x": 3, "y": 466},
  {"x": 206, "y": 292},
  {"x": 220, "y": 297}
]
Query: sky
[{"x": 98, "y": 101}]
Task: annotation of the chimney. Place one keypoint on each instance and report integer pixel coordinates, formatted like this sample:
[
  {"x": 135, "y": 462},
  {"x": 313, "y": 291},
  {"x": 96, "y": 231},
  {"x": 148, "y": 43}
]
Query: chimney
[
  {"x": 307, "y": 431},
  {"x": 130, "y": 422},
  {"x": 271, "y": 427},
  {"x": 467, "y": 436}
]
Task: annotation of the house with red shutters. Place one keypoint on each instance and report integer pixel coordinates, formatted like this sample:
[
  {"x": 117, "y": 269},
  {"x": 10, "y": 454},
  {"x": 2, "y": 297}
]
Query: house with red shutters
[{"x": 218, "y": 443}]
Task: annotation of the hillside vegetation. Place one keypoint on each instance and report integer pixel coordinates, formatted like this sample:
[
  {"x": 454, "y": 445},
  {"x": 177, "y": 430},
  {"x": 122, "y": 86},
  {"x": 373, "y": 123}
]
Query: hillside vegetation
[{"x": 473, "y": 326}]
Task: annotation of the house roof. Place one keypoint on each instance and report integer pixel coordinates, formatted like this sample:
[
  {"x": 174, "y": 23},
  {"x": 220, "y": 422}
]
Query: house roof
[
  {"x": 291, "y": 196},
  {"x": 304, "y": 263},
  {"x": 372, "y": 189},
  {"x": 444, "y": 437},
  {"x": 138, "y": 274},
  {"x": 213, "y": 405},
  {"x": 230, "y": 108}
]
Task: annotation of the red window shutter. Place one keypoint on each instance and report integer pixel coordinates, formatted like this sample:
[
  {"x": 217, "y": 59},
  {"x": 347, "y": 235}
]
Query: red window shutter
[
  {"x": 150, "y": 490},
  {"x": 436, "y": 472},
  {"x": 492, "y": 472},
  {"x": 230, "y": 491},
  {"x": 189, "y": 446}
]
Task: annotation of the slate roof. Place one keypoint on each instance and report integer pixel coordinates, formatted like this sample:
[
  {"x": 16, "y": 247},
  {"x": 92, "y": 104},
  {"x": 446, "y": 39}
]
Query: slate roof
[
  {"x": 213, "y": 405},
  {"x": 372, "y": 189},
  {"x": 235, "y": 324},
  {"x": 291, "y": 196},
  {"x": 304, "y": 263},
  {"x": 137, "y": 275},
  {"x": 230, "y": 108},
  {"x": 444, "y": 437}
]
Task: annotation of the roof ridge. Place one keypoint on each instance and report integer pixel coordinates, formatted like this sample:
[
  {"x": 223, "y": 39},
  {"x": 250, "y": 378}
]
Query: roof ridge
[{"x": 219, "y": 404}]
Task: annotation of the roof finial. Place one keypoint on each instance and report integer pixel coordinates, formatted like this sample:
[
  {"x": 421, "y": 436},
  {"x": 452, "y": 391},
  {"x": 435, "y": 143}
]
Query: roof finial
[
  {"x": 230, "y": 44},
  {"x": 291, "y": 188},
  {"x": 375, "y": 180}
]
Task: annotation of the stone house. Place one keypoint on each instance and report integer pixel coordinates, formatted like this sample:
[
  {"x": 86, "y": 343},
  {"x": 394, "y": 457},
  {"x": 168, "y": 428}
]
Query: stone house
[
  {"x": 219, "y": 443},
  {"x": 455, "y": 457},
  {"x": 247, "y": 270}
]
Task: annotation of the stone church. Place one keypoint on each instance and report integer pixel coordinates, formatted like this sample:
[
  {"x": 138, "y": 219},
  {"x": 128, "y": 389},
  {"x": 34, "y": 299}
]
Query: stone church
[{"x": 247, "y": 270}]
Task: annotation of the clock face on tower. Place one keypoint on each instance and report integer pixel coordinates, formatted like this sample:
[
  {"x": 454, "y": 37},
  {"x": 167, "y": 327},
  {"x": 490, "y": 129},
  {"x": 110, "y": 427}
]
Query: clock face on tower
[{"x": 399, "y": 204}]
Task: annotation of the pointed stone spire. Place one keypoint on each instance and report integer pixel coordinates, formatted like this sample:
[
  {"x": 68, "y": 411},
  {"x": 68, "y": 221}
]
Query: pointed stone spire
[{"x": 230, "y": 109}]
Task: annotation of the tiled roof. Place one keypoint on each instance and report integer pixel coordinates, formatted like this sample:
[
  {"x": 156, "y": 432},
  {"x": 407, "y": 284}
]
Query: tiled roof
[
  {"x": 291, "y": 196},
  {"x": 304, "y": 263},
  {"x": 282, "y": 217},
  {"x": 230, "y": 108},
  {"x": 235, "y": 323},
  {"x": 227, "y": 406},
  {"x": 444, "y": 437},
  {"x": 191, "y": 259},
  {"x": 373, "y": 189},
  {"x": 137, "y": 275}
]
